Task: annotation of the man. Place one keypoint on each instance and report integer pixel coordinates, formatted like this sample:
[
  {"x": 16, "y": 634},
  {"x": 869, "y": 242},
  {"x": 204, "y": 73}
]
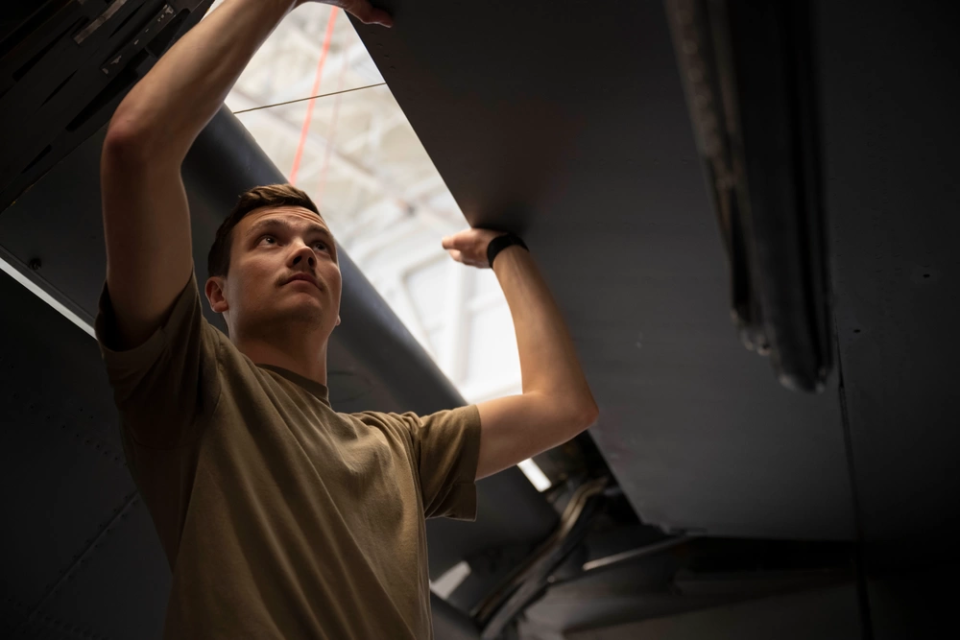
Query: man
[{"x": 280, "y": 517}]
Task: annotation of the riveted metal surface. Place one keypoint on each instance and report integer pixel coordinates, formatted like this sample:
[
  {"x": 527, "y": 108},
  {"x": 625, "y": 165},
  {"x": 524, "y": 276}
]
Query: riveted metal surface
[
  {"x": 891, "y": 131},
  {"x": 65, "y": 66},
  {"x": 119, "y": 587},
  {"x": 65, "y": 483}
]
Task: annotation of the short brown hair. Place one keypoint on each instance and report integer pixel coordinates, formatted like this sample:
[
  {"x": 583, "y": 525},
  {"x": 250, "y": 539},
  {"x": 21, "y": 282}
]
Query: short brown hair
[{"x": 273, "y": 195}]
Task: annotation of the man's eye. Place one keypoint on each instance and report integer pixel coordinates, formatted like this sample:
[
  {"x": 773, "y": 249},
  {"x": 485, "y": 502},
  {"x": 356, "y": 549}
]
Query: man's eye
[
  {"x": 322, "y": 245},
  {"x": 262, "y": 238}
]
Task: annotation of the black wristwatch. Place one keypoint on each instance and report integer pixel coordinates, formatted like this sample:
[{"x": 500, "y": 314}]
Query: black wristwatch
[{"x": 500, "y": 243}]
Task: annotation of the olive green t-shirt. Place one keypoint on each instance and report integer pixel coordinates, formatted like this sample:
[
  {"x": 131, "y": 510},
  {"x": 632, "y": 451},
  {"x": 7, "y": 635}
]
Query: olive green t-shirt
[{"x": 279, "y": 516}]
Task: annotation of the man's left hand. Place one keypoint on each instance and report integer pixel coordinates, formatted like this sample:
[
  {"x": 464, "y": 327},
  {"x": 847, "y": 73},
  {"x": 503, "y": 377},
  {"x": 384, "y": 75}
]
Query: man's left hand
[{"x": 470, "y": 246}]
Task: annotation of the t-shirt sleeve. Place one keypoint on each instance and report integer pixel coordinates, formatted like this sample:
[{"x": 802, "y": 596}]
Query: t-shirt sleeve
[
  {"x": 446, "y": 445},
  {"x": 162, "y": 386}
]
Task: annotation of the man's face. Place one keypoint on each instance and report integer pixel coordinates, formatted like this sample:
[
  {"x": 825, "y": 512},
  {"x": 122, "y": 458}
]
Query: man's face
[{"x": 270, "y": 248}]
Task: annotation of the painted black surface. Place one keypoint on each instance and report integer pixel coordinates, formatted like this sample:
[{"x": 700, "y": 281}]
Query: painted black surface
[
  {"x": 891, "y": 134},
  {"x": 79, "y": 547},
  {"x": 65, "y": 65},
  {"x": 568, "y": 124}
]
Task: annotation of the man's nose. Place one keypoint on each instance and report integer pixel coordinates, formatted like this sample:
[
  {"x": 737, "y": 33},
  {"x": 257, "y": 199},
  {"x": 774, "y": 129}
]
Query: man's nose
[{"x": 305, "y": 253}]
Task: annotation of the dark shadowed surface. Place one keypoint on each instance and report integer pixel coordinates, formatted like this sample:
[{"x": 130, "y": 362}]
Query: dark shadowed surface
[
  {"x": 80, "y": 545},
  {"x": 570, "y": 126},
  {"x": 891, "y": 137}
]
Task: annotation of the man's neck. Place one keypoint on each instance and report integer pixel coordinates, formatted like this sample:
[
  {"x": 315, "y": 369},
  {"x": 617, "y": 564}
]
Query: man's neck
[{"x": 309, "y": 361}]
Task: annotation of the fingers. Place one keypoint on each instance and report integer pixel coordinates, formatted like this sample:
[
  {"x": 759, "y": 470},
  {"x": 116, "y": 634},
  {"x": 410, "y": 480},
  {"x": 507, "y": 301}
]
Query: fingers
[
  {"x": 468, "y": 261},
  {"x": 381, "y": 17},
  {"x": 463, "y": 240},
  {"x": 368, "y": 14},
  {"x": 468, "y": 247}
]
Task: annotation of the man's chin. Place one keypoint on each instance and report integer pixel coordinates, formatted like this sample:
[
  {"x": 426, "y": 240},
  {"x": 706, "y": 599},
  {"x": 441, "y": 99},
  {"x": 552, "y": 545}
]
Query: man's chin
[{"x": 304, "y": 310}]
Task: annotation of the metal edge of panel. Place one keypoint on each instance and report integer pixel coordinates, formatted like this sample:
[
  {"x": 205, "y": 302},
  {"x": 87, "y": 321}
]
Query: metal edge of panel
[{"x": 747, "y": 74}]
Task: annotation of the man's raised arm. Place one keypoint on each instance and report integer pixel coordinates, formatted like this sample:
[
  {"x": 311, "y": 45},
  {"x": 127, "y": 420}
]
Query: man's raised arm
[
  {"x": 556, "y": 403},
  {"x": 145, "y": 214}
]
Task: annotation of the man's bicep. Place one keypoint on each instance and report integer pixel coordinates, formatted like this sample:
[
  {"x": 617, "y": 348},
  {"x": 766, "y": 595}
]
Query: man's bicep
[
  {"x": 514, "y": 428},
  {"x": 511, "y": 430},
  {"x": 146, "y": 223}
]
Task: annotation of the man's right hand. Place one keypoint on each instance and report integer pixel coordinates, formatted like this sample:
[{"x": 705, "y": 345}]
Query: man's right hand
[
  {"x": 362, "y": 10},
  {"x": 145, "y": 214}
]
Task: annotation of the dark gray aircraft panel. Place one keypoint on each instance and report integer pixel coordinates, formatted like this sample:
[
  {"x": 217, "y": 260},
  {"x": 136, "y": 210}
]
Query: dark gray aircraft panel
[
  {"x": 80, "y": 549},
  {"x": 571, "y": 128},
  {"x": 891, "y": 100}
]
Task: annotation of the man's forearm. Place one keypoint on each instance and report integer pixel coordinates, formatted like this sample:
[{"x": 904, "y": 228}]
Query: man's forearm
[
  {"x": 548, "y": 360},
  {"x": 169, "y": 107}
]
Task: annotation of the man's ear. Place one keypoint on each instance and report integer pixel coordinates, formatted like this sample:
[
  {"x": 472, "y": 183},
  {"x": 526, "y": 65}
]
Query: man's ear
[{"x": 215, "y": 289}]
